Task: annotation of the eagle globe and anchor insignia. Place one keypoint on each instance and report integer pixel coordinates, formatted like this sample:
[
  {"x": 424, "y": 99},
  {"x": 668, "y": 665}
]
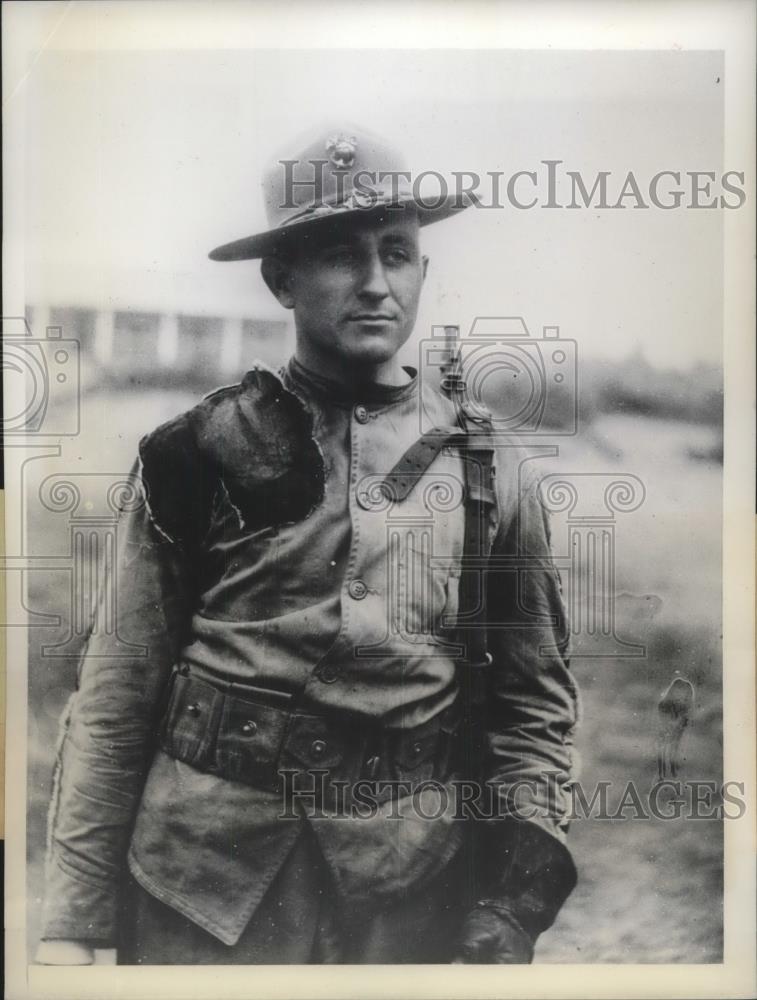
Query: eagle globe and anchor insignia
[{"x": 341, "y": 149}]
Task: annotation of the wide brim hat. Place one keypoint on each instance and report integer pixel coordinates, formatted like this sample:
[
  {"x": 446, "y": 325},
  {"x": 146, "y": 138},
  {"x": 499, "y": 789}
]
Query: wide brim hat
[{"x": 334, "y": 175}]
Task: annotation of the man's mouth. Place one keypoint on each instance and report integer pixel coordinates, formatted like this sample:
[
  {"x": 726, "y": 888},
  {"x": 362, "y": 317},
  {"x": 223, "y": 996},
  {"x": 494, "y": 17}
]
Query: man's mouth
[{"x": 365, "y": 317}]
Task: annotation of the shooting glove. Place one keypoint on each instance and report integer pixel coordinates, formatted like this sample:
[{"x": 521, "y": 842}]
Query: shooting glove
[{"x": 526, "y": 875}]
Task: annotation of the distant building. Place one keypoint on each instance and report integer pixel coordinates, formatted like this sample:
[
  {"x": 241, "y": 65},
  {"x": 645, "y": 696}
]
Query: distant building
[{"x": 128, "y": 345}]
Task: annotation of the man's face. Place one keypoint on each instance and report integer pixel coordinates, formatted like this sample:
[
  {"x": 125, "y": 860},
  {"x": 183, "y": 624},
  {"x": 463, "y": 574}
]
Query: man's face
[{"x": 355, "y": 289}]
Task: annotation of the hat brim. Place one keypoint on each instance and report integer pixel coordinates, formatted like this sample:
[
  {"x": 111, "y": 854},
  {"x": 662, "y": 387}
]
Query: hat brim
[{"x": 263, "y": 244}]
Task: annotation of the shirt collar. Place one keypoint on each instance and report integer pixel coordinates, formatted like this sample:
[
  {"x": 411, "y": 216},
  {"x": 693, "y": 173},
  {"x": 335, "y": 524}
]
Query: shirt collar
[{"x": 332, "y": 391}]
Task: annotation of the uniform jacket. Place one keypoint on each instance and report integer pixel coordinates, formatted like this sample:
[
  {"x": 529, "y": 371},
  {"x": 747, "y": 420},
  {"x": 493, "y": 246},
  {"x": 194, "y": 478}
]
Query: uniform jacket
[{"x": 265, "y": 564}]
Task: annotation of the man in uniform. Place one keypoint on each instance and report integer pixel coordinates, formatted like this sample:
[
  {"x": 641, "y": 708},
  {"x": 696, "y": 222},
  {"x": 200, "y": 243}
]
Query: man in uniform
[{"x": 338, "y": 652}]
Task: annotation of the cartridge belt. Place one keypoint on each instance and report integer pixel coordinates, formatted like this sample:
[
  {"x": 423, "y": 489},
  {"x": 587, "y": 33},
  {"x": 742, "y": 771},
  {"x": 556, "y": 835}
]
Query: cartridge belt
[{"x": 255, "y": 740}]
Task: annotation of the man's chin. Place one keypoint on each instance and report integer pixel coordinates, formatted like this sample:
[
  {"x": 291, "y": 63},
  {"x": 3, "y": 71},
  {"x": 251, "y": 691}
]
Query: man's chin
[{"x": 370, "y": 352}]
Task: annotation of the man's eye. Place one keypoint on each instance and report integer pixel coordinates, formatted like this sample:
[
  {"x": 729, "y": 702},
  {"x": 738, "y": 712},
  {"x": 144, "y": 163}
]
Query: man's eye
[
  {"x": 397, "y": 256},
  {"x": 340, "y": 256}
]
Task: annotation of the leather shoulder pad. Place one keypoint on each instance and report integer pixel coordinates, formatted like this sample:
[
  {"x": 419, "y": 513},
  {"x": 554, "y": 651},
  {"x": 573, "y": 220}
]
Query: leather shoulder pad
[
  {"x": 178, "y": 482},
  {"x": 252, "y": 443}
]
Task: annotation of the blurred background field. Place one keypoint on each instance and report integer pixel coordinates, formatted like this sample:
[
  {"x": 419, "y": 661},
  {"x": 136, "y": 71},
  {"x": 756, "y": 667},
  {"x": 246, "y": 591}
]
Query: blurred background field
[{"x": 650, "y": 890}]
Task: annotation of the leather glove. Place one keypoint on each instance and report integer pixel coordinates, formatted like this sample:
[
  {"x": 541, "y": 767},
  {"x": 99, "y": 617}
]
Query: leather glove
[
  {"x": 491, "y": 935},
  {"x": 524, "y": 877}
]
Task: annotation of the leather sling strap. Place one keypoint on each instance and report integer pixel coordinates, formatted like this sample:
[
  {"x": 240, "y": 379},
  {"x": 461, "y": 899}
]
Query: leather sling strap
[
  {"x": 474, "y": 437},
  {"x": 398, "y": 483}
]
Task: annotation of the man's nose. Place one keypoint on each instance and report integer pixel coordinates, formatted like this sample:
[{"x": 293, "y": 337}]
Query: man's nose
[{"x": 373, "y": 284}]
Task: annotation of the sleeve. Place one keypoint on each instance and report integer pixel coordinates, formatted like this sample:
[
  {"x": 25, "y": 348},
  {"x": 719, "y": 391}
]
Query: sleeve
[
  {"x": 532, "y": 714},
  {"x": 109, "y": 728}
]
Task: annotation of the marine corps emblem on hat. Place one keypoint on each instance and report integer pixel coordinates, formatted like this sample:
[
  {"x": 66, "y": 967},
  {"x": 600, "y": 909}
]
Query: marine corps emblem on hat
[
  {"x": 341, "y": 150},
  {"x": 302, "y": 189}
]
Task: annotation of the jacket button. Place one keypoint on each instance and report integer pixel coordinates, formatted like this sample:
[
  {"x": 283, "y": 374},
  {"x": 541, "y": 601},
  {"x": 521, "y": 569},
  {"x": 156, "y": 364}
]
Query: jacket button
[
  {"x": 361, "y": 414},
  {"x": 329, "y": 673},
  {"x": 194, "y": 708},
  {"x": 318, "y": 748},
  {"x": 249, "y": 728},
  {"x": 416, "y": 749},
  {"x": 357, "y": 590}
]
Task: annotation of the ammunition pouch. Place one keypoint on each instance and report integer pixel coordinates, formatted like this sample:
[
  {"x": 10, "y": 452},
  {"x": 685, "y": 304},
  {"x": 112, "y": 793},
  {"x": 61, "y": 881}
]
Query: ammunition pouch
[{"x": 258, "y": 739}]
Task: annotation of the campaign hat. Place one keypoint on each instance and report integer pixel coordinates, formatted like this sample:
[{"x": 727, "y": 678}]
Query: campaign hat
[{"x": 334, "y": 174}]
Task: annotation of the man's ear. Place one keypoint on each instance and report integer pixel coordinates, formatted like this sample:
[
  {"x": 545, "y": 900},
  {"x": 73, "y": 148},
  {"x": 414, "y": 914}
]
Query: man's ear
[
  {"x": 424, "y": 263},
  {"x": 278, "y": 276}
]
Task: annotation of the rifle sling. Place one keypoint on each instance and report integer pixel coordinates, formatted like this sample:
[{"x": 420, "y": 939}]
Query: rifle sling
[{"x": 477, "y": 450}]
